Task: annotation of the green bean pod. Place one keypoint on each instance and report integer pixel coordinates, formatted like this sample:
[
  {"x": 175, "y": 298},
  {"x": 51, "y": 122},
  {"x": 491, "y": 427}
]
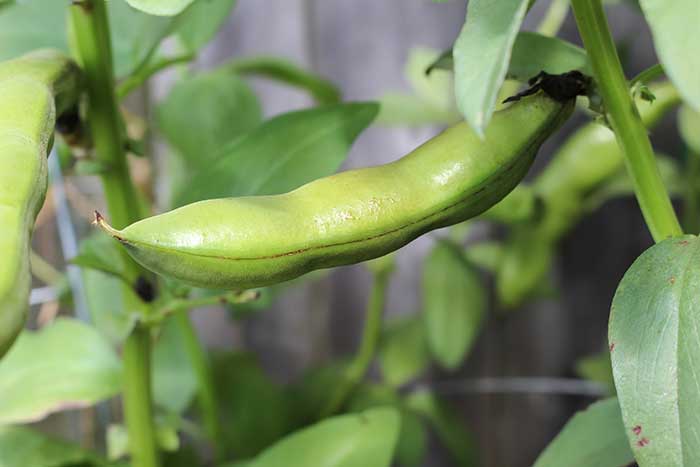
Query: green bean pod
[
  {"x": 349, "y": 217},
  {"x": 33, "y": 90}
]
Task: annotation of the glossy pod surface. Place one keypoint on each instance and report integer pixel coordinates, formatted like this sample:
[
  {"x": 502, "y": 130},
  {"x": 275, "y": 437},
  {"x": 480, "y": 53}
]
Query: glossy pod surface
[
  {"x": 353, "y": 216},
  {"x": 33, "y": 89}
]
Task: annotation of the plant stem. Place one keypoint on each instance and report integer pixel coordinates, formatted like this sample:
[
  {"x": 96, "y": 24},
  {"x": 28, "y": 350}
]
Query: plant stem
[
  {"x": 206, "y": 395},
  {"x": 43, "y": 270},
  {"x": 370, "y": 339},
  {"x": 625, "y": 120},
  {"x": 140, "y": 76},
  {"x": 90, "y": 28},
  {"x": 138, "y": 408},
  {"x": 647, "y": 75}
]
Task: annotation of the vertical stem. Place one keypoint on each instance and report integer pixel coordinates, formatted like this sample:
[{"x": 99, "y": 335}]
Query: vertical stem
[
  {"x": 625, "y": 120},
  {"x": 90, "y": 27},
  {"x": 137, "y": 399},
  {"x": 365, "y": 354},
  {"x": 206, "y": 395}
]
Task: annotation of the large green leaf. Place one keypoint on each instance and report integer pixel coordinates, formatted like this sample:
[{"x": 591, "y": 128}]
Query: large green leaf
[
  {"x": 174, "y": 379},
  {"x": 282, "y": 154},
  {"x": 201, "y": 115},
  {"x": 33, "y": 24},
  {"x": 481, "y": 56},
  {"x": 24, "y": 447},
  {"x": 403, "y": 351},
  {"x": 66, "y": 365},
  {"x": 674, "y": 26},
  {"x": 160, "y": 7},
  {"x": 592, "y": 438},
  {"x": 201, "y": 21},
  {"x": 655, "y": 346},
  {"x": 367, "y": 439},
  {"x": 454, "y": 303}
]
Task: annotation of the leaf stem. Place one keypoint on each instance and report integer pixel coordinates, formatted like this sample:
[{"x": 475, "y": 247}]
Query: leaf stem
[
  {"x": 370, "y": 339},
  {"x": 141, "y": 75},
  {"x": 625, "y": 120},
  {"x": 650, "y": 74},
  {"x": 90, "y": 28},
  {"x": 208, "y": 404}
]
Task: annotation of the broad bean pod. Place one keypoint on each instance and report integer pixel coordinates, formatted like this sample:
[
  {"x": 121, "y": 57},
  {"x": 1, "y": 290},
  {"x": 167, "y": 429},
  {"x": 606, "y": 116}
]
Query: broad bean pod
[
  {"x": 349, "y": 217},
  {"x": 34, "y": 89},
  {"x": 583, "y": 163}
]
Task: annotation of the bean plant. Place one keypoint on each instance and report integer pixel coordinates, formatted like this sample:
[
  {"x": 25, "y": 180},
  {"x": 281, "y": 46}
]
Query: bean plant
[{"x": 251, "y": 207}]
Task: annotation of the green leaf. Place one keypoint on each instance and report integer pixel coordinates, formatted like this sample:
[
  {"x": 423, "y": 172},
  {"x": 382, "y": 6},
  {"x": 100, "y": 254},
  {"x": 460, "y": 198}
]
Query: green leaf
[
  {"x": 101, "y": 253},
  {"x": 454, "y": 303},
  {"x": 255, "y": 411},
  {"x": 33, "y": 24},
  {"x": 674, "y": 26},
  {"x": 286, "y": 72},
  {"x": 448, "y": 426},
  {"x": 405, "y": 110},
  {"x": 655, "y": 343},
  {"x": 482, "y": 53},
  {"x": 282, "y": 154},
  {"x": 411, "y": 446},
  {"x": 160, "y": 7},
  {"x": 597, "y": 368},
  {"x": 200, "y": 22},
  {"x": 201, "y": 115},
  {"x": 592, "y": 438},
  {"x": 114, "y": 309},
  {"x": 174, "y": 379},
  {"x": 367, "y": 439},
  {"x": 535, "y": 52},
  {"x": 24, "y": 447},
  {"x": 66, "y": 365},
  {"x": 311, "y": 392},
  {"x": 403, "y": 351},
  {"x": 689, "y": 126}
]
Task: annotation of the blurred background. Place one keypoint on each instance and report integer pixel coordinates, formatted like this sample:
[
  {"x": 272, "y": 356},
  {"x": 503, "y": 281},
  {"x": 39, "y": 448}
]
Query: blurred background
[{"x": 363, "y": 47}]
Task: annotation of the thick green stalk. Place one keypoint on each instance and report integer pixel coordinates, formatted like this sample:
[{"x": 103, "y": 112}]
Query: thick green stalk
[
  {"x": 370, "y": 339},
  {"x": 206, "y": 395},
  {"x": 625, "y": 121},
  {"x": 90, "y": 28},
  {"x": 137, "y": 399}
]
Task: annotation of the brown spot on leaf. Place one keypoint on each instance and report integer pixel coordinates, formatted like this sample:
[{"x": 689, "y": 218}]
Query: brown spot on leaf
[
  {"x": 683, "y": 243},
  {"x": 672, "y": 280},
  {"x": 637, "y": 430},
  {"x": 642, "y": 442},
  {"x": 612, "y": 346}
]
